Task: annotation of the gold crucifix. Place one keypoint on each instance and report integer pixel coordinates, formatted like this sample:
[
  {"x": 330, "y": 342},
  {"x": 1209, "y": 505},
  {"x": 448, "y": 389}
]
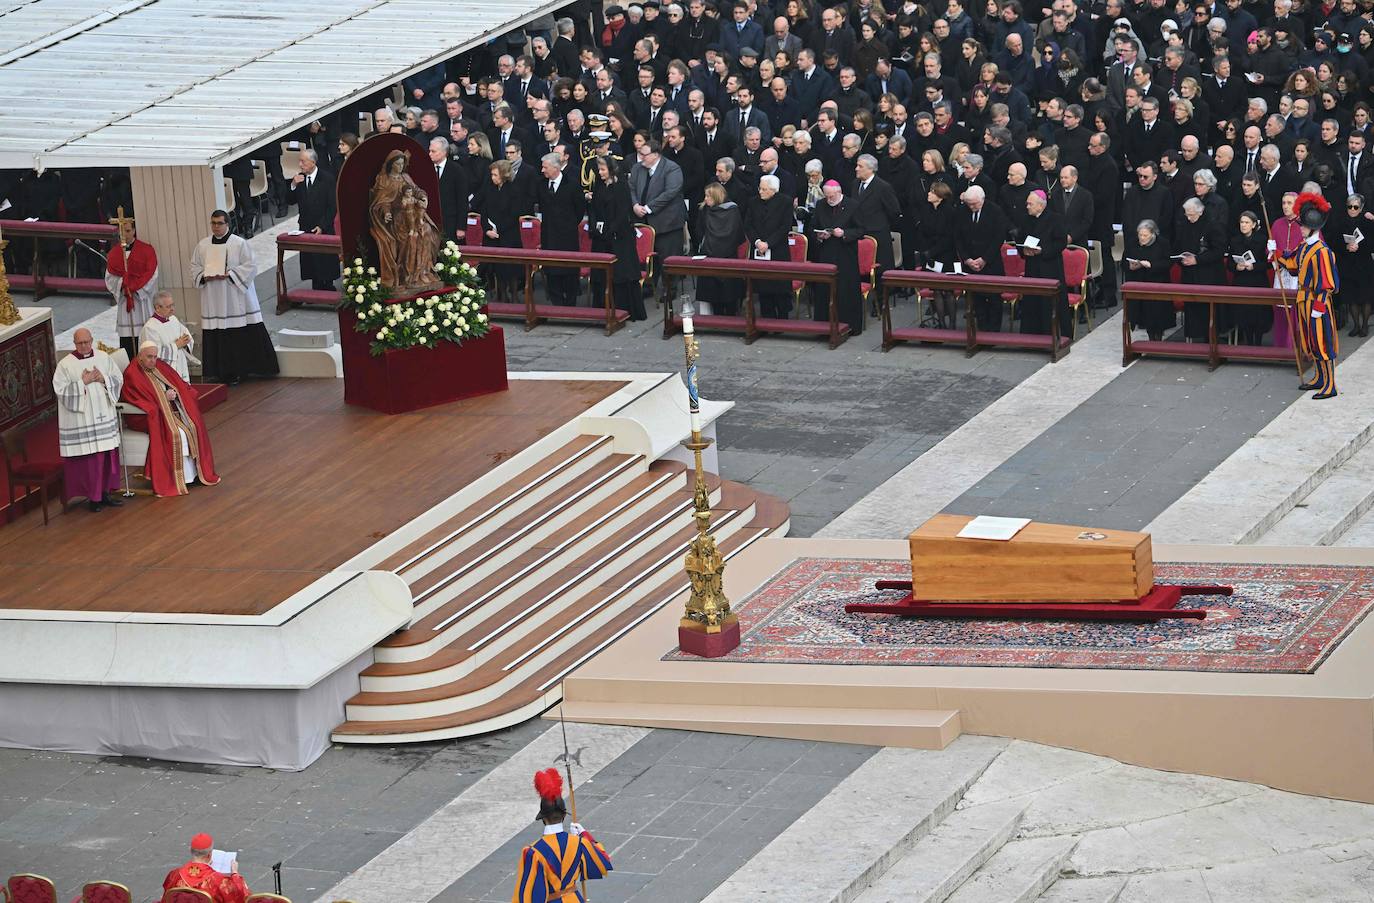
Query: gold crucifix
[{"x": 120, "y": 220}]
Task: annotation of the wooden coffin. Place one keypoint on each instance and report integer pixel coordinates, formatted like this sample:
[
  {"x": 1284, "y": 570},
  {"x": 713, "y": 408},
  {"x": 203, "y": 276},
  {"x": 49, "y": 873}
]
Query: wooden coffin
[{"x": 1043, "y": 562}]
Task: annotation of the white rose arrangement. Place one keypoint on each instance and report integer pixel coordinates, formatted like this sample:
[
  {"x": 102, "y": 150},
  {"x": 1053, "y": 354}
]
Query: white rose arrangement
[{"x": 456, "y": 314}]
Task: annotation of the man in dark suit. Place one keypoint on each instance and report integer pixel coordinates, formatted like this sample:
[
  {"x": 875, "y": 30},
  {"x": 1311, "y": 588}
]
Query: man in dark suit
[
  {"x": 745, "y": 116},
  {"x": 1147, "y": 137},
  {"x": 715, "y": 142},
  {"x": 561, "y": 202},
  {"x": 522, "y": 84},
  {"x": 656, "y": 192},
  {"x": 1102, "y": 178},
  {"x": 606, "y": 92},
  {"x": 564, "y": 50},
  {"x": 769, "y": 166},
  {"x": 980, "y": 229},
  {"x": 312, "y": 191},
  {"x": 741, "y": 32},
  {"x": 688, "y": 159},
  {"x": 875, "y": 209},
  {"x": 781, "y": 109},
  {"x": 504, "y": 130},
  {"x": 826, "y": 142},
  {"x": 1074, "y": 204},
  {"x": 1356, "y": 170},
  {"x": 835, "y": 36},
  {"x": 811, "y": 85},
  {"x": 453, "y": 188},
  {"x": 886, "y": 79}
]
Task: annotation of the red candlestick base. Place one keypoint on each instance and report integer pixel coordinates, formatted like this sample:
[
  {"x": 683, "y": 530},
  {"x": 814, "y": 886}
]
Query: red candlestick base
[{"x": 693, "y": 638}]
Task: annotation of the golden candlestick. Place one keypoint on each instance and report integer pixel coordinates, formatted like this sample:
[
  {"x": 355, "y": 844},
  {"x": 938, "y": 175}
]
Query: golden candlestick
[
  {"x": 708, "y": 626},
  {"x": 9, "y": 314}
]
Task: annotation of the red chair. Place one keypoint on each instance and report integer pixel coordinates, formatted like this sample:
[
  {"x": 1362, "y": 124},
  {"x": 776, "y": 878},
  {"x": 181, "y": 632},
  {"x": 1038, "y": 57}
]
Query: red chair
[
  {"x": 28, "y": 474},
  {"x": 1076, "y": 280},
  {"x": 105, "y": 892},
  {"x": 1013, "y": 265},
  {"x": 267, "y": 898},
  {"x": 644, "y": 246},
  {"x": 25, "y": 888},
  {"x": 797, "y": 246},
  {"x": 531, "y": 233},
  {"x": 185, "y": 895},
  {"x": 472, "y": 235},
  {"x": 868, "y": 265}
]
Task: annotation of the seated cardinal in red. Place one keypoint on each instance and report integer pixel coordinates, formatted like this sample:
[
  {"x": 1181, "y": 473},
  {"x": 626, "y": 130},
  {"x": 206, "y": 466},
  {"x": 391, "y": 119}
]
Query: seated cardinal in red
[
  {"x": 198, "y": 875},
  {"x": 178, "y": 445}
]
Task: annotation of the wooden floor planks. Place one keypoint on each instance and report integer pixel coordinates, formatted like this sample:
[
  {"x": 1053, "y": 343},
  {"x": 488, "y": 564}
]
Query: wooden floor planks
[{"x": 307, "y": 483}]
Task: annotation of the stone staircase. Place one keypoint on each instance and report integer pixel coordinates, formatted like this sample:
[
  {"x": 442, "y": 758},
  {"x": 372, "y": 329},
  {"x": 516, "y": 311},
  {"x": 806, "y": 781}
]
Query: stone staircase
[{"x": 517, "y": 590}]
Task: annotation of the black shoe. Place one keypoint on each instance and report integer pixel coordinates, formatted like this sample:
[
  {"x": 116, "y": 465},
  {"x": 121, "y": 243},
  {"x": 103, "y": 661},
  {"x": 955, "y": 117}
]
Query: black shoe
[
  {"x": 1354, "y": 330},
  {"x": 114, "y": 501},
  {"x": 1330, "y": 393},
  {"x": 1308, "y": 387},
  {"x": 94, "y": 506},
  {"x": 235, "y": 380}
]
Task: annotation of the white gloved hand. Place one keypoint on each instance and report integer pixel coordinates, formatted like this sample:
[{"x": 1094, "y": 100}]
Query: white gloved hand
[{"x": 577, "y": 829}]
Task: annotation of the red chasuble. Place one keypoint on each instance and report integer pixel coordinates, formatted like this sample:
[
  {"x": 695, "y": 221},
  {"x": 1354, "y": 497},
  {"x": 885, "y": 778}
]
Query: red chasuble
[
  {"x": 136, "y": 270},
  {"x": 164, "y": 440},
  {"x": 199, "y": 876}
]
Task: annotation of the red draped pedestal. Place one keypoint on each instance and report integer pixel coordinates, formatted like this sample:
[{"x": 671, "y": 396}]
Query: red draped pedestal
[{"x": 405, "y": 380}]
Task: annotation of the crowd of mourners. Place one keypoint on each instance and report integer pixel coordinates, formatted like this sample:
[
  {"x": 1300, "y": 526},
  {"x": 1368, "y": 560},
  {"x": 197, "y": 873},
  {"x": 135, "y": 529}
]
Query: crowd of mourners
[{"x": 942, "y": 132}]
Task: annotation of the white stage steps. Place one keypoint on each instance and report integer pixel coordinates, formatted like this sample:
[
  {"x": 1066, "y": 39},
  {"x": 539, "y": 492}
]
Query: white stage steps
[{"x": 517, "y": 590}]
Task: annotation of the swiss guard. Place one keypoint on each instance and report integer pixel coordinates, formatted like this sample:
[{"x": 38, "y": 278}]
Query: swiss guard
[
  {"x": 1318, "y": 280},
  {"x": 552, "y": 866}
]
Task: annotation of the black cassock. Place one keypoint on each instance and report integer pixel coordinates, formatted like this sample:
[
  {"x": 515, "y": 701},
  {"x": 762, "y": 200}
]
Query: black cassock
[
  {"x": 612, "y": 232},
  {"x": 770, "y": 221},
  {"x": 1048, "y": 264},
  {"x": 844, "y": 253},
  {"x": 1155, "y": 317},
  {"x": 316, "y": 205}
]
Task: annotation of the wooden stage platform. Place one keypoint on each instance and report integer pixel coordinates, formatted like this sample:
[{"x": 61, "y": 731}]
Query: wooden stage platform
[{"x": 308, "y": 482}]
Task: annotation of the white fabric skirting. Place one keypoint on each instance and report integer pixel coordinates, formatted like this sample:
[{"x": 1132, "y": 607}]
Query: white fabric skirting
[{"x": 282, "y": 729}]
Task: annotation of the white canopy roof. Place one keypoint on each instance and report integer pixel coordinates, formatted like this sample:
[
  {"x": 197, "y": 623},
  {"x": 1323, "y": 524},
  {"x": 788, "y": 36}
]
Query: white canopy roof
[{"x": 192, "y": 82}]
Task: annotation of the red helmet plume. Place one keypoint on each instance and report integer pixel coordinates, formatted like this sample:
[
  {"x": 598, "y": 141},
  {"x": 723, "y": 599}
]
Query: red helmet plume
[
  {"x": 548, "y": 784},
  {"x": 1316, "y": 200}
]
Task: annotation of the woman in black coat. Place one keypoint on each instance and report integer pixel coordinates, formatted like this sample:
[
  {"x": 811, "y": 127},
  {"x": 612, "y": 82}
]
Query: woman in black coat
[
  {"x": 722, "y": 232},
  {"x": 935, "y": 243},
  {"x": 834, "y": 239},
  {"x": 1200, "y": 244},
  {"x": 767, "y": 221},
  {"x": 501, "y": 204},
  {"x": 612, "y": 232},
  {"x": 1147, "y": 259},
  {"x": 1353, "y": 262},
  {"x": 1253, "y": 321}
]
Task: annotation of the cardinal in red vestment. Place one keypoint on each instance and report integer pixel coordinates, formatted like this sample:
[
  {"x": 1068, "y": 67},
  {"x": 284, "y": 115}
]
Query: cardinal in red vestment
[
  {"x": 135, "y": 267},
  {"x": 178, "y": 445},
  {"x": 198, "y": 875}
]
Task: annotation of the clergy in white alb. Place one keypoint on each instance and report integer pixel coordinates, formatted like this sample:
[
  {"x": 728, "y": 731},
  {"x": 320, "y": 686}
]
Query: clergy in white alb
[
  {"x": 173, "y": 340},
  {"x": 87, "y": 384},
  {"x": 131, "y": 276},
  {"x": 235, "y": 341}
]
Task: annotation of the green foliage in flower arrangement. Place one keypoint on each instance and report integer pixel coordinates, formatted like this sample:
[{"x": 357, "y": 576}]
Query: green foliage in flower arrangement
[{"x": 454, "y": 315}]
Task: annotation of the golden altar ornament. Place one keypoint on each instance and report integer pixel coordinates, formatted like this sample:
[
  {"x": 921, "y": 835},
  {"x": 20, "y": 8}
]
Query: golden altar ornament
[{"x": 9, "y": 314}]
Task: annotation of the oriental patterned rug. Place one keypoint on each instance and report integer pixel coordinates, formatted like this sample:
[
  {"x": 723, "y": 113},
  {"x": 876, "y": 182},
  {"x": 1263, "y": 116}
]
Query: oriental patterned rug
[{"x": 1282, "y": 619}]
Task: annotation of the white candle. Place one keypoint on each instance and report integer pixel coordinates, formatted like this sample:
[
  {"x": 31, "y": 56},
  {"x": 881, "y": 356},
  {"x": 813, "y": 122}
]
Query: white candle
[
  {"x": 696, "y": 422},
  {"x": 687, "y": 328}
]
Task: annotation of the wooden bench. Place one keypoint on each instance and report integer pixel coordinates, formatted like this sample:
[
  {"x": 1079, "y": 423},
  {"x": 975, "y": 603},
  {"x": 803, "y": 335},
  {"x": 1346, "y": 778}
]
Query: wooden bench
[{"x": 970, "y": 337}]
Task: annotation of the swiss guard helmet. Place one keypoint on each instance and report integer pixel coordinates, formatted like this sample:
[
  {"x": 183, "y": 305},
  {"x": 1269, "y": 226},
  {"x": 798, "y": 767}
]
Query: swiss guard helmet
[
  {"x": 1312, "y": 209},
  {"x": 549, "y": 785}
]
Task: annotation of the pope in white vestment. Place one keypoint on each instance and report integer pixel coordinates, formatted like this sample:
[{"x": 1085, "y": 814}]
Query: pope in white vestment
[
  {"x": 236, "y": 343},
  {"x": 173, "y": 340},
  {"x": 87, "y": 384}
]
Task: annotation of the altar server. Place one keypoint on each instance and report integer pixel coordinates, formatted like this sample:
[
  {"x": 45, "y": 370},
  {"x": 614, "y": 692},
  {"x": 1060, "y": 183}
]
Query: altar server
[
  {"x": 236, "y": 341},
  {"x": 551, "y": 867},
  {"x": 173, "y": 340},
  {"x": 87, "y": 384},
  {"x": 1315, "y": 266},
  {"x": 131, "y": 276}
]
